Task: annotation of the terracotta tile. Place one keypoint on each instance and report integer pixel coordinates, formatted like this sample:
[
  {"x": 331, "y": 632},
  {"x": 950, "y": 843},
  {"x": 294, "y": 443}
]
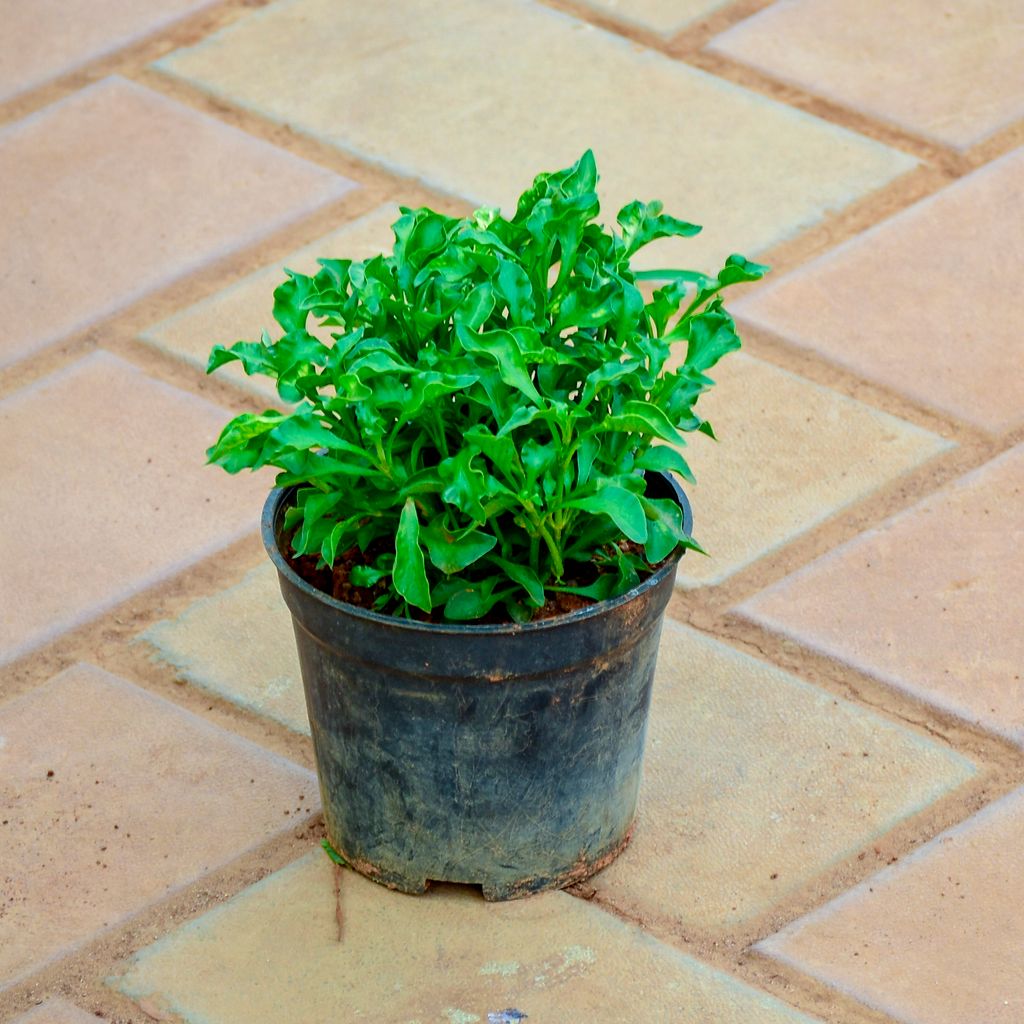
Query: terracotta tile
[
  {"x": 246, "y": 308},
  {"x": 951, "y": 73},
  {"x": 445, "y": 956},
  {"x": 929, "y": 602},
  {"x": 104, "y": 488},
  {"x": 118, "y": 190},
  {"x": 755, "y": 783},
  {"x": 112, "y": 798},
  {"x": 790, "y": 454},
  {"x": 476, "y": 96},
  {"x": 45, "y": 39},
  {"x": 55, "y": 1011},
  {"x": 926, "y": 303},
  {"x": 664, "y": 16},
  {"x": 935, "y": 938},
  {"x": 239, "y": 644}
]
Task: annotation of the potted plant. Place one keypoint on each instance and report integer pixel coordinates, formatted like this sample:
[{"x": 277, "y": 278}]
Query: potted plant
[{"x": 476, "y": 525}]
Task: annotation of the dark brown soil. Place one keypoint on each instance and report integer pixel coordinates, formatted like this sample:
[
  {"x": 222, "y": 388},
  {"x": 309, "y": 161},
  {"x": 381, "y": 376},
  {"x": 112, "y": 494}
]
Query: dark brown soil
[{"x": 335, "y": 581}]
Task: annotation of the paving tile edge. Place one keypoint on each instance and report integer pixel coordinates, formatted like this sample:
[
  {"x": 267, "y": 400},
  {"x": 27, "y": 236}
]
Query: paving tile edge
[{"x": 770, "y": 946}]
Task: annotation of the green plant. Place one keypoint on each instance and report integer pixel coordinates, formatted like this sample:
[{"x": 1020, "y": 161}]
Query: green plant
[{"x": 478, "y": 423}]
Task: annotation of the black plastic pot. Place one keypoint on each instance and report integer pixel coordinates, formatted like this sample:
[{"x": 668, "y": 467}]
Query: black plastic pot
[{"x": 506, "y": 756}]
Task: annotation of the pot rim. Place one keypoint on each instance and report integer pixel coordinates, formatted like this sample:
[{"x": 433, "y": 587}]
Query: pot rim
[{"x": 268, "y": 529}]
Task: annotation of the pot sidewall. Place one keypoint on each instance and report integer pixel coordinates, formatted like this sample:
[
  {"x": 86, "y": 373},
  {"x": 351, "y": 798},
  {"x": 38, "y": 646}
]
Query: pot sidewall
[{"x": 508, "y": 756}]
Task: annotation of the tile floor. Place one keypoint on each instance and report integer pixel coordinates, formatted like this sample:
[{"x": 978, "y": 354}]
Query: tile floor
[{"x": 831, "y": 822}]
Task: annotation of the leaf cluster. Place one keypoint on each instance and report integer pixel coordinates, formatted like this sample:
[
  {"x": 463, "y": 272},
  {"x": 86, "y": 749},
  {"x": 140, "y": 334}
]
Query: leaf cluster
[{"x": 475, "y": 411}]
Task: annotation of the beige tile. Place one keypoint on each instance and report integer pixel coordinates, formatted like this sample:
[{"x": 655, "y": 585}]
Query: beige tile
[
  {"x": 476, "y": 96},
  {"x": 790, "y": 454},
  {"x": 930, "y": 601},
  {"x": 938, "y": 937},
  {"x": 242, "y": 311},
  {"x": 118, "y": 190},
  {"x": 755, "y": 783},
  {"x": 55, "y": 1011},
  {"x": 104, "y": 491},
  {"x": 927, "y": 303},
  {"x": 47, "y": 38},
  {"x": 950, "y": 72},
  {"x": 446, "y": 957},
  {"x": 112, "y": 798},
  {"x": 664, "y": 16},
  {"x": 239, "y": 644}
]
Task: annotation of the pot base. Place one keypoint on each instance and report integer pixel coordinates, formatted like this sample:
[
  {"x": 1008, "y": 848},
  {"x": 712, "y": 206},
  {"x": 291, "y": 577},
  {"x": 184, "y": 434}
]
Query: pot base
[{"x": 495, "y": 891}]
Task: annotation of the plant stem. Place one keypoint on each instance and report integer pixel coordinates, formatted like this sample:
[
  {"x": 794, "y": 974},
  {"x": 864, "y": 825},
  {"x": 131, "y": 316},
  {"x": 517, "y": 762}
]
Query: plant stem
[{"x": 535, "y": 552}]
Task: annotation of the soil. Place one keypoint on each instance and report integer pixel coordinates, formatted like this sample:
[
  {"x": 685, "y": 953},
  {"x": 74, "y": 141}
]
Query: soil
[{"x": 336, "y": 582}]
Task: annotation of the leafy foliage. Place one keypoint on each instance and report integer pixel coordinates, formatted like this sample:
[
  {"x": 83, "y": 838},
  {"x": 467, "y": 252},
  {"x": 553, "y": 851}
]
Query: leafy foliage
[{"x": 476, "y": 410}]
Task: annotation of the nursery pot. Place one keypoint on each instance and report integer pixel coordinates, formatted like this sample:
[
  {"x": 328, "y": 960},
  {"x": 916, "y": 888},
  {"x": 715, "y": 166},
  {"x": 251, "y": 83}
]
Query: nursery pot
[{"x": 507, "y": 756}]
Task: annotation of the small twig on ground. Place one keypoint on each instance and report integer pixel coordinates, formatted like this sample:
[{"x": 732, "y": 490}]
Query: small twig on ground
[
  {"x": 337, "y": 898},
  {"x": 339, "y": 862}
]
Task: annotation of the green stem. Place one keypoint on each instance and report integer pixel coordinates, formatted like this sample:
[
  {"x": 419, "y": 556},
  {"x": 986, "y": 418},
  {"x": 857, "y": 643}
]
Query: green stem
[
  {"x": 442, "y": 439},
  {"x": 556, "y": 554},
  {"x": 543, "y": 534},
  {"x": 383, "y": 465},
  {"x": 698, "y": 301},
  {"x": 535, "y": 553}
]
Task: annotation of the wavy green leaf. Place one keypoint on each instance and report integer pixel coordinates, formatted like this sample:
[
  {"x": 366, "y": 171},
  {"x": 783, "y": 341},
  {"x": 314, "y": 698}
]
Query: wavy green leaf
[
  {"x": 410, "y": 573},
  {"x": 621, "y": 506}
]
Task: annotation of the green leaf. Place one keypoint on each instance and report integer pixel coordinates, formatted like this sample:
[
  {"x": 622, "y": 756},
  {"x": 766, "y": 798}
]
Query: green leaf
[
  {"x": 621, "y": 506},
  {"x": 573, "y": 181},
  {"x": 738, "y": 269},
  {"x": 368, "y": 576},
  {"x": 501, "y": 450},
  {"x": 643, "y": 222},
  {"x": 665, "y": 528},
  {"x": 253, "y": 355},
  {"x": 626, "y": 573},
  {"x": 333, "y": 853},
  {"x": 711, "y": 336},
  {"x": 590, "y": 447},
  {"x": 537, "y": 459},
  {"x": 314, "y": 506},
  {"x": 473, "y": 601},
  {"x": 428, "y": 386},
  {"x": 525, "y": 577},
  {"x": 452, "y": 551},
  {"x": 339, "y": 536},
  {"x": 600, "y": 590},
  {"x": 410, "y": 574},
  {"x": 513, "y": 286},
  {"x": 646, "y": 419},
  {"x": 662, "y": 458},
  {"x": 474, "y": 310},
  {"x": 289, "y": 309},
  {"x": 242, "y": 442},
  {"x": 606, "y": 374},
  {"x": 503, "y": 347},
  {"x": 465, "y": 484},
  {"x": 522, "y": 417}
]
